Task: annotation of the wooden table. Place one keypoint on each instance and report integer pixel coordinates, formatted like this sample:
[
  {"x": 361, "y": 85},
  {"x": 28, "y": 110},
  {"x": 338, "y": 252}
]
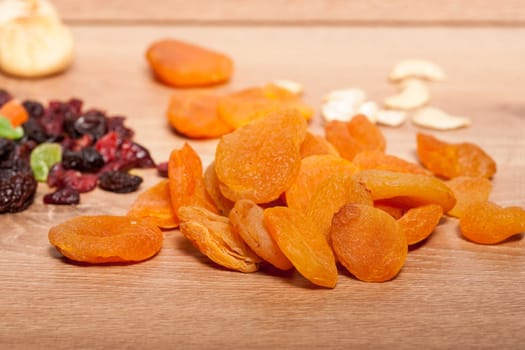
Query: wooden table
[{"x": 450, "y": 294}]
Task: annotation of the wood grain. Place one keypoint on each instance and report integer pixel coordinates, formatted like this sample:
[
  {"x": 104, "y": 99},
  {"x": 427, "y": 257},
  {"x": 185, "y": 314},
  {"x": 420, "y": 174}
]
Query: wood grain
[
  {"x": 399, "y": 12},
  {"x": 450, "y": 294}
]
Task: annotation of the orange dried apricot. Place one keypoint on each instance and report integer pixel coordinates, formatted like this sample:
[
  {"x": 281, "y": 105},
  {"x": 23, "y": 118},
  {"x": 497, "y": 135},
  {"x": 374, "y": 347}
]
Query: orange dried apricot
[
  {"x": 316, "y": 144},
  {"x": 381, "y": 161},
  {"x": 331, "y": 195},
  {"x": 186, "y": 181},
  {"x": 418, "y": 223},
  {"x": 313, "y": 171},
  {"x": 212, "y": 185},
  {"x": 451, "y": 160},
  {"x": 355, "y": 136},
  {"x": 407, "y": 190},
  {"x": 242, "y": 107},
  {"x": 15, "y": 112},
  {"x": 213, "y": 235},
  {"x": 259, "y": 161},
  {"x": 155, "y": 203},
  {"x": 195, "y": 115},
  {"x": 106, "y": 239},
  {"x": 182, "y": 64},
  {"x": 488, "y": 223},
  {"x": 385, "y": 205},
  {"x": 306, "y": 247},
  {"x": 247, "y": 220},
  {"x": 468, "y": 190},
  {"x": 368, "y": 242}
]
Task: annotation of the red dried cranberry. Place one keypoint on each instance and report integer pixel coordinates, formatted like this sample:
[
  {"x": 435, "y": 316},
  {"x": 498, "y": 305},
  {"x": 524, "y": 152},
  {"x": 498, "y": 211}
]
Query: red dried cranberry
[
  {"x": 34, "y": 131},
  {"x": 117, "y": 124},
  {"x": 34, "y": 108},
  {"x": 108, "y": 145},
  {"x": 65, "y": 195},
  {"x": 17, "y": 190},
  {"x": 92, "y": 123},
  {"x": 136, "y": 154},
  {"x": 60, "y": 177},
  {"x": 162, "y": 169},
  {"x": 87, "y": 160},
  {"x": 119, "y": 182}
]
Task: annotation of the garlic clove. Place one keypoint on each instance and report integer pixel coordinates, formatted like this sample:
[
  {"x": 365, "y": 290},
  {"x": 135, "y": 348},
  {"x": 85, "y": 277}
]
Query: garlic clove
[
  {"x": 391, "y": 117},
  {"x": 435, "y": 118},
  {"x": 416, "y": 68},
  {"x": 414, "y": 94}
]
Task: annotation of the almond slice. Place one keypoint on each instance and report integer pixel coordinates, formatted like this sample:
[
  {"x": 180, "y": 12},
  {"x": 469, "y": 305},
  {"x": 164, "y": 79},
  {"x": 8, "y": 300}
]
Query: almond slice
[
  {"x": 416, "y": 68},
  {"x": 369, "y": 109},
  {"x": 414, "y": 94},
  {"x": 435, "y": 118},
  {"x": 391, "y": 117}
]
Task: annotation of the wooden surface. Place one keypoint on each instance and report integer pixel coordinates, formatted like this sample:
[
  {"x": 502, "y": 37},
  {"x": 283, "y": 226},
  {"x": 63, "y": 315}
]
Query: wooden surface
[{"x": 451, "y": 294}]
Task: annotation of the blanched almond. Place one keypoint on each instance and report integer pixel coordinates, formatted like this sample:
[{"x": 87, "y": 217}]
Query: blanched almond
[
  {"x": 416, "y": 68},
  {"x": 434, "y": 118},
  {"x": 414, "y": 94}
]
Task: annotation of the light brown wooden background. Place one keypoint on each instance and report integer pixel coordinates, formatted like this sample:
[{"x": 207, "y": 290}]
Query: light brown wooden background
[{"x": 451, "y": 294}]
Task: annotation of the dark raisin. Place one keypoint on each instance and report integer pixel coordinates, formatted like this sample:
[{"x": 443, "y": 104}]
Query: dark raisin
[
  {"x": 4, "y": 97},
  {"x": 34, "y": 109},
  {"x": 93, "y": 123},
  {"x": 72, "y": 160},
  {"x": 34, "y": 131},
  {"x": 64, "y": 195},
  {"x": 119, "y": 181},
  {"x": 87, "y": 159},
  {"x": 17, "y": 190},
  {"x": 162, "y": 169},
  {"x": 7, "y": 147}
]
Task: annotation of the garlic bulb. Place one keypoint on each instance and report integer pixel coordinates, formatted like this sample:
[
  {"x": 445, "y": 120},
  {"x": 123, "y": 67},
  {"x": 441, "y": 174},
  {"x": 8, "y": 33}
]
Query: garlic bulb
[{"x": 33, "y": 40}]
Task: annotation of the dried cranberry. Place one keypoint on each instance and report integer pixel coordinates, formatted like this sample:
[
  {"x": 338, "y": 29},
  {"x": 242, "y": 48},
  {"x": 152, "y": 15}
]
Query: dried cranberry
[
  {"x": 60, "y": 177},
  {"x": 34, "y": 131},
  {"x": 136, "y": 155},
  {"x": 23, "y": 150},
  {"x": 7, "y": 147},
  {"x": 93, "y": 123},
  {"x": 53, "y": 119},
  {"x": 34, "y": 109},
  {"x": 64, "y": 195},
  {"x": 17, "y": 190},
  {"x": 4, "y": 97},
  {"x": 119, "y": 181},
  {"x": 108, "y": 145},
  {"x": 117, "y": 124},
  {"x": 162, "y": 169},
  {"x": 87, "y": 159},
  {"x": 75, "y": 106}
]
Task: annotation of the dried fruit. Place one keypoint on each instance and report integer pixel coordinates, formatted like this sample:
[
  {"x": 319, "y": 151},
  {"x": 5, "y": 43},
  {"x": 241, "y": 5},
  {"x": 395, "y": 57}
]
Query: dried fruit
[
  {"x": 413, "y": 94},
  {"x": 368, "y": 242},
  {"x": 88, "y": 160},
  {"x": 242, "y": 107},
  {"x": 119, "y": 181},
  {"x": 355, "y": 136},
  {"x": 43, "y": 157},
  {"x": 155, "y": 204},
  {"x": 315, "y": 144},
  {"x": 63, "y": 196},
  {"x": 60, "y": 177},
  {"x": 381, "y": 161},
  {"x": 394, "y": 211},
  {"x": 303, "y": 244},
  {"x": 468, "y": 190},
  {"x": 418, "y": 223},
  {"x": 212, "y": 185},
  {"x": 17, "y": 189},
  {"x": 416, "y": 68},
  {"x": 246, "y": 218},
  {"x": 15, "y": 112},
  {"x": 289, "y": 85},
  {"x": 313, "y": 171},
  {"x": 451, "y": 160},
  {"x": 213, "y": 236},
  {"x": 407, "y": 190},
  {"x": 8, "y": 131},
  {"x": 434, "y": 118},
  {"x": 488, "y": 223},
  {"x": 245, "y": 159},
  {"x": 106, "y": 239},
  {"x": 182, "y": 64},
  {"x": 195, "y": 115}
]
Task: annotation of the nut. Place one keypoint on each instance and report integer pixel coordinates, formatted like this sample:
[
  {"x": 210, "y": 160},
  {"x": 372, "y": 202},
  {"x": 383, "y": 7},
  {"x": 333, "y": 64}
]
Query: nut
[
  {"x": 341, "y": 110},
  {"x": 369, "y": 109},
  {"x": 416, "y": 68},
  {"x": 289, "y": 85},
  {"x": 352, "y": 95},
  {"x": 391, "y": 117},
  {"x": 434, "y": 118},
  {"x": 414, "y": 94}
]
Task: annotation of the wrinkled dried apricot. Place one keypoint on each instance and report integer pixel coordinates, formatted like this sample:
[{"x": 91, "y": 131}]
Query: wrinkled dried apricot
[
  {"x": 468, "y": 190},
  {"x": 212, "y": 234},
  {"x": 306, "y": 247},
  {"x": 155, "y": 203},
  {"x": 385, "y": 205},
  {"x": 313, "y": 171},
  {"x": 185, "y": 180},
  {"x": 418, "y": 223},
  {"x": 316, "y": 144},
  {"x": 451, "y": 160},
  {"x": 381, "y": 161},
  {"x": 331, "y": 195},
  {"x": 247, "y": 220},
  {"x": 182, "y": 64},
  {"x": 195, "y": 115},
  {"x": 357, "y": 135},
  {"x": 259, "y": 161},
  {"x": 106, "y": 239},
  {"x": 212, "y": 185},
  {"x": 242, "y": 107},
  {"x": 368, "y": 242},
  {"x": 488, "y": 223},
  {"x": 407, "y": 190}
]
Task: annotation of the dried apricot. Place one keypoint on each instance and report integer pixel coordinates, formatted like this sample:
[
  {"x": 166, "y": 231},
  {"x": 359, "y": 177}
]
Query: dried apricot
[
  {"x": 331, "y": 195},
  {"x": 385, "y": 205},
  {"x": 313, "y": 171},
  {"x": 451, "y": 160},
  {"x": 212, "y": 185},
  {"x": 468, "y": 190},
  {"x": 186, "y": 181},
  {"x": 306, "y": 247},
  {"x": 381, "y": 161},
  {"x": 182, "y": 64},
  {"x": 418, "y": 223},
  {"x": 242, "y": 107},
  {"x": 315, "y": 144},
  {"x": 247, "y": 220},
  {"x": 195, "y": 115},
  {"x": 155, "y": 203},
  {"x": 488, "y": 223},
  {"x": 106, "y": 239},
  {"x": 259, "y": 161},
  {"x": 212, "y": 234},
  {"x": 357, "y": 135},
  {"x": 368, "y": 242},
  {"x": 407, "y": 190}
]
